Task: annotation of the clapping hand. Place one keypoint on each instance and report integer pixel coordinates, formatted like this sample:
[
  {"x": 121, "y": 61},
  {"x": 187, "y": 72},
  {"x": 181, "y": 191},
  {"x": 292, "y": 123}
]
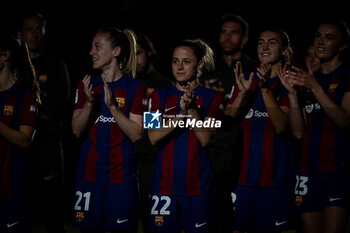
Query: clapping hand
[
  {"x": 264, "y": 73},
  {"x": 187, "y": 99},
  {"x": 242, "y": 84}
]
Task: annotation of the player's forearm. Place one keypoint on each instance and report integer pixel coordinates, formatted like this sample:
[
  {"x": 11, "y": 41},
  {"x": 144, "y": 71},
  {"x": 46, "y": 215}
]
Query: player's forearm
[
  {"x": 232, "y": 109},
  {"x": 278, "y": 118},
  {"x": 156, "y": 135},
  {"x": 296, "y": 119},
  {"x": 21, "y": 138},
  {"x": 130, "y": 128},
  {"x": 340, "y": 116},
  {"x": 81, "y": 118},
  {"x": 203, "y": 134}
]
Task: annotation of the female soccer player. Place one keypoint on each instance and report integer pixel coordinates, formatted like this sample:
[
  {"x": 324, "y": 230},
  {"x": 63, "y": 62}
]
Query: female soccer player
[
  {"x": 108, "y": 113},
  {"x": 17, "y": 123},
  {"x": 323, "y": 179},
  {"x": 182, "y": 181},
  {"x": 262, "y": 199}
]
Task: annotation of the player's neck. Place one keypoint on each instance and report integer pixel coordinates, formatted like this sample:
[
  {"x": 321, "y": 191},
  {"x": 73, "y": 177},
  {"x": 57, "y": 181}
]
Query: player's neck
[
  {"x": 329, "y": 66},
  {"x": 112, "y": 75}
]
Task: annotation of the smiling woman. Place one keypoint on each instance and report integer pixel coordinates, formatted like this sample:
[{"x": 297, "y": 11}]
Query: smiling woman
[
  {"x": 322, "y": 179},
  {"x": 262, "y": 199},
  {"x": 108, "y": 115}
]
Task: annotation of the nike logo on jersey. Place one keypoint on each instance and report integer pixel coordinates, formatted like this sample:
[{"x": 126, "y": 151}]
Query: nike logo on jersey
[
  {"x": 121, "y": 221},
  {"x": 335, "y": 198},
  {"x": 280, "y": 223},
  {"x": 201, "y": 224},
  {"x": 168, "y": 109},
  {"x": 9, "y": 225},
  {"x": 47, "y": 178}
]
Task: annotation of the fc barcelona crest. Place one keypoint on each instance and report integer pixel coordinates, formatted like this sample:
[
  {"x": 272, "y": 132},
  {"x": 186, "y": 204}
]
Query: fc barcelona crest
[
  {"x": 159, "y": 221},
  {"x": 79, "y": 217},
  {"x": 298, "y": 200},
  {"x": 332, "y": 87},
  {"x": 120, "y": 101},
  {"x": 8, "y": 110}
]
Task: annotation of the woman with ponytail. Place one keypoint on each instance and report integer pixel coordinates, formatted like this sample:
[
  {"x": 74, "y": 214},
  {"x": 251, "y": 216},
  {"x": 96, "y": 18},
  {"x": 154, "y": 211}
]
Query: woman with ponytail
[
  {"x": 108, "y": 116},
  {"x": 183, "y": 186},
  {"x": 262, "y": 199},
  {"x": 17, "y": 124}
]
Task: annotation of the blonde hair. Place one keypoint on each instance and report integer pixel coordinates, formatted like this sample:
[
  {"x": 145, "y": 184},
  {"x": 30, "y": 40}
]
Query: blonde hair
[
  {"x": 202, "y": 51},
  {"x": 126, "y": 40}
]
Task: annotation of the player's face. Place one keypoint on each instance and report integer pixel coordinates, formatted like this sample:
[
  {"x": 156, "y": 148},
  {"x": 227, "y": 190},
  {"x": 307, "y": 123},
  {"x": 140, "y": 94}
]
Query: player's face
[
  {"x": 142, "y": 60},
  {"x": 32, "y": 33},
  {"x": 101, "y": 52},
  {"x": 327, "y": 42},
  {"x": 231, "y": 37},
  {"x": 270, "y": 47},
  {"x": 184, "y": 64}
]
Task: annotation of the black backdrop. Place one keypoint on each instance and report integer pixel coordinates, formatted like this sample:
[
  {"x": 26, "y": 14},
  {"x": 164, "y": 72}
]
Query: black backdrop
[{"x": 72, "y": 24}]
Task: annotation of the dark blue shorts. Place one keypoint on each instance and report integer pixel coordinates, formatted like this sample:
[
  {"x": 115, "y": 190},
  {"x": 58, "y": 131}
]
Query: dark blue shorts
[
  {"x": 14, "y": 215},
  {"x": 106, "y": 206},
  {"x": 263, "y": 209},
  {"x": 180, "y": 213},
  {"x": 315, "y": 191}
]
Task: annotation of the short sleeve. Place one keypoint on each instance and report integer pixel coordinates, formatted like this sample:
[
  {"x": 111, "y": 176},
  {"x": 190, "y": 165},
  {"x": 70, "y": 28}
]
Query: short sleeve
[
  {"x": 80, "y": 97},
  {"x": 140, "y": 102},
  {"x": 29, "y": 111},
  {"x": 216, "y": 106},
  {"x": 154, "y": 102}
]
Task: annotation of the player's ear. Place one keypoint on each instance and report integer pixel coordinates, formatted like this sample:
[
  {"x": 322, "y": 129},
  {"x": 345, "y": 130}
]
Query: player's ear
[{"x": 116, "y": 51}]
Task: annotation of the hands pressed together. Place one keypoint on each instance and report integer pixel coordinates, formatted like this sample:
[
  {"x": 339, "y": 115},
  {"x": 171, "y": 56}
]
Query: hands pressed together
[
  {"x": 187, "y": 99},
  {"x": 90, "y": 95},
  {"x": 292, "y": 76}
]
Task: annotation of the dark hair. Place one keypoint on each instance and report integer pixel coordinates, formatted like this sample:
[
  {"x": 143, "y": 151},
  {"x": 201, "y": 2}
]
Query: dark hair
[
  {"x": 341, "y": 25},
  {"x": 344, "y": 54},
  {"x": 20, "y": 64},
  {"x": 285, "y": 42},
  {"x": 236, "y": 19}
]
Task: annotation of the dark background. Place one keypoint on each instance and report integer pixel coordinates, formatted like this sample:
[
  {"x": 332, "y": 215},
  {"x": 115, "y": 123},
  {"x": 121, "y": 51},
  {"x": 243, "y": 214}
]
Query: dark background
[{"x": 72, "y": 24}]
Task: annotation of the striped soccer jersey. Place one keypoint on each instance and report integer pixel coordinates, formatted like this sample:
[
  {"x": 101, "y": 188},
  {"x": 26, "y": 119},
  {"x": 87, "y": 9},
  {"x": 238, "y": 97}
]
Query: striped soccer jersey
[
  {"x": 182, "y": 165},
  {"x": 18, "y": 108},
  {"x": 325, "y": 147},
  {"x": 107, "y": 155},
  {"x": 266, "y": 160}
]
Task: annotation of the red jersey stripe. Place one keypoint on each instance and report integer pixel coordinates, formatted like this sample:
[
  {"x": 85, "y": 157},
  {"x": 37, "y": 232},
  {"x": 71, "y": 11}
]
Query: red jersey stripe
[{"x": 193, "y": 166}]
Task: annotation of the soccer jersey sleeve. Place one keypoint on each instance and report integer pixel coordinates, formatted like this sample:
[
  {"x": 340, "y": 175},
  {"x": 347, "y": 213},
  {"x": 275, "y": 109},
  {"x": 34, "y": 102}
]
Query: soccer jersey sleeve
[
  {"x": 28, "y": 110},
  {"x": 154, "y": 103},
  {"x": 216, "y": 106},
  {"x": 80, "y": 96},
  {"x": 139, "y": 104}
]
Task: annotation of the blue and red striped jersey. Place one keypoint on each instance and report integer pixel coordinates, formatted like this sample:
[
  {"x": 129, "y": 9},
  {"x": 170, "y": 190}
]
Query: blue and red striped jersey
[
  {"x": 18, "y": 108},
  {"x": 107, "y": 155},
  {"x": 325, "y": 147},
  {"x": 266, "y": 159},
  {"x": 182, "y": 166}
]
